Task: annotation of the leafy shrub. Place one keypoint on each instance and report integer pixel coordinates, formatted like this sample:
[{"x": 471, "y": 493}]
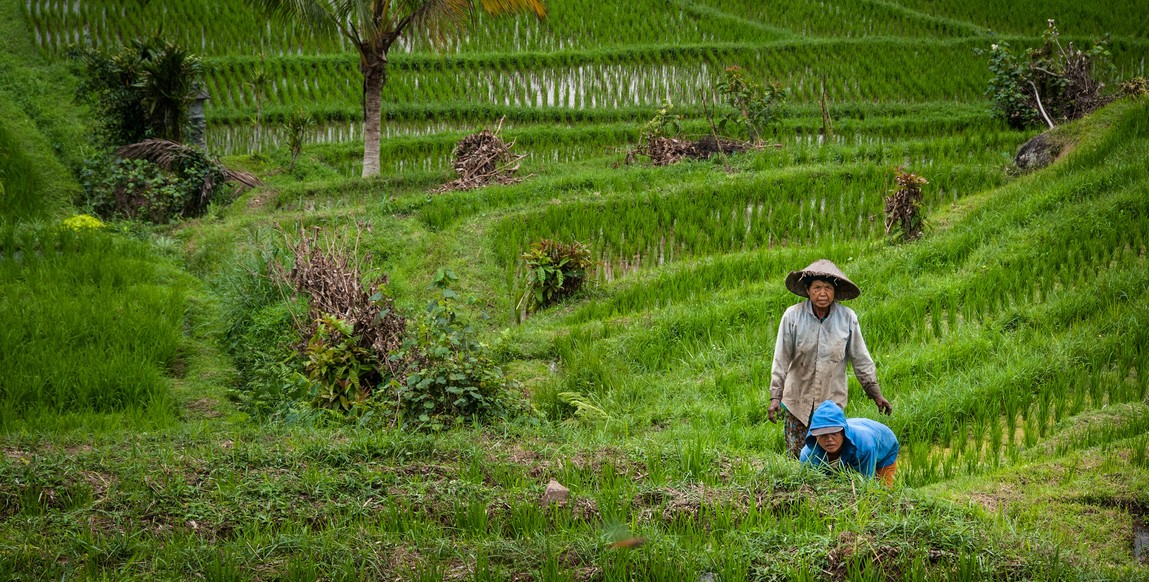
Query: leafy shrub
[
  {"x": 1051, "y": 83},
  {"x": 137, "y": 189},
  {"x": 454, "y": 375},
  {"x": 553, "y": 271},
  {"x": 904, "y": 206},
  {"x": 751, "y": 106},
  {"x": 342, "y": 373},
  {"x": 363, "y": 357}
]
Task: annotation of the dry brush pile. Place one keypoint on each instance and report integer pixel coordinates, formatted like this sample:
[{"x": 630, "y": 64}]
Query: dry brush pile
[
  {"x": 482, "y": 159},
  {"x": 362, "y": 355},
  {"x": 665, "y": 151}
]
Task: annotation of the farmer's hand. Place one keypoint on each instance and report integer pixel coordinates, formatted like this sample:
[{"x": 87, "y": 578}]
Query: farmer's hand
[
  {"x": 884, "y": 406},
  {"x": 775, "y": 408}
]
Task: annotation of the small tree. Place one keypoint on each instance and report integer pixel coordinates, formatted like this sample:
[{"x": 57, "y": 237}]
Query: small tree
[
  {"x": 904, "y": 206},
  {"x": 753, "y": 106},
  {"x": 140, "y": 91},
  {"x": 1051, "y": 83},
  {"x": 296, "y": 127},
  {"x": 665, "y": 123}
]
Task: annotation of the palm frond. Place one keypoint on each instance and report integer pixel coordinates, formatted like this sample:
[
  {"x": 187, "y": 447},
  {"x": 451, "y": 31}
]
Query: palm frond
[
  {"x": 320, "y": 15},
  {"x": 502, "y": 6},
  {"x": 168, "y": 155}
]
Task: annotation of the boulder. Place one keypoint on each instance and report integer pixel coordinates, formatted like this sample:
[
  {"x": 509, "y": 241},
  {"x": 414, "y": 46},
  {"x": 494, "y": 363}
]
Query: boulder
[
  {"x": 555, "y": 493},
  {"x": 1037, "y": 153}
]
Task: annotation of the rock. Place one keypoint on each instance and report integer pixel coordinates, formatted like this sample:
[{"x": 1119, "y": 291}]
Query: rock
[
  {"x": 1037, "y": 153},
  {"x": 555, "y": 493},
  {"x": 708, "y": 577}
]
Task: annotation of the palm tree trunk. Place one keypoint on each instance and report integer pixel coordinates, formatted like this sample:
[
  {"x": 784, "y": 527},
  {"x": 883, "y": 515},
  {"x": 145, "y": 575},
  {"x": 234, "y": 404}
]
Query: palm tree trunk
[{"x": 374, "y": 77}]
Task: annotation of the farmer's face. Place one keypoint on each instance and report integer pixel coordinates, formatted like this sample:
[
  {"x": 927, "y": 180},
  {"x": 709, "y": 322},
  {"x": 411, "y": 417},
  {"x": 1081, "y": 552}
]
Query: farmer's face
[
  {"x": 831, "y": 442},
  {"x": 821, "y": 294}
]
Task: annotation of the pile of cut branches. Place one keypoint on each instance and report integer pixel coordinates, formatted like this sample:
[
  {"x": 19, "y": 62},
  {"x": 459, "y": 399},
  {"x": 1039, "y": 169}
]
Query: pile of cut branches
[
  {"x": 664, "y": 151},
  {"x": 325, "y": 271},
  {"x": 482, "y": 159},
  {"x": 904, "y": 206}
]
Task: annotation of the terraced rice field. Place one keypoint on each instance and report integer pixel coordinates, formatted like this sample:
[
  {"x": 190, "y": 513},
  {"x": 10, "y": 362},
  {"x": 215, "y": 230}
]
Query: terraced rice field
[{"x": 1011, "y": 339}]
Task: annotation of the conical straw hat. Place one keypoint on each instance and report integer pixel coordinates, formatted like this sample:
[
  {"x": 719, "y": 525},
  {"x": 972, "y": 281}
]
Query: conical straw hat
[{"x": 846, "y": 289}]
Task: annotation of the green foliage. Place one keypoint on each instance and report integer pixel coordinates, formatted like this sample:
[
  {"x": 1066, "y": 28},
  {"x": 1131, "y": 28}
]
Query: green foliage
[
  {"x": 585, "y": 411},
  {"x": 132, "y": 189},
  {"x": 453, "y": 374},
  {"x": 139, "y": 91},
  {"x": 136, "y": 189},
  {"x": 753, "y": 106},
  {"x": 552, "y": 270},
  {"x": 260, "y": 331},
  {"x": 35, "y": 183},
  {"x": 342, "y": 373},
  {"x": 665, "y": 123},
  {"x": 296, "y": 126},
  {"x": 1050, "y": 83},
  {"x": 271, "y": 381},
  {"x": 20, "y": 186}
]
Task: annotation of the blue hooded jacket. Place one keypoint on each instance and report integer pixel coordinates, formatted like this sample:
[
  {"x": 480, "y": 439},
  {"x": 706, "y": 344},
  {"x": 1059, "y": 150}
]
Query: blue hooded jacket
[{"x": 869, "y": 445}]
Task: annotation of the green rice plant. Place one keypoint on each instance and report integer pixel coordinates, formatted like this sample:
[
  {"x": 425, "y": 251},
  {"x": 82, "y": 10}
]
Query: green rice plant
[
  {"x": 95, "y": 324},
  {"x": 471, "y": 517}
]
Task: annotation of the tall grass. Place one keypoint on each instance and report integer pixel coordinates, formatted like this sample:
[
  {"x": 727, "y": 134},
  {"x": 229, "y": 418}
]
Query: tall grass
[
  {"x": 20, "y": 189},
  {"x": 92, "y": 325}
]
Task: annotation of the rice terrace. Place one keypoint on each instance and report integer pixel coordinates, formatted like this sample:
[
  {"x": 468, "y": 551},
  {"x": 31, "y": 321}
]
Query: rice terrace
[{"x": 515, "y": 290}]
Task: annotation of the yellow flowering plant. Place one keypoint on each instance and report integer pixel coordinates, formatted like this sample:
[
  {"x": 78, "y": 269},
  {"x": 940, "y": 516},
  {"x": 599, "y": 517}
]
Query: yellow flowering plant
[{"x": 83, "y": 221}]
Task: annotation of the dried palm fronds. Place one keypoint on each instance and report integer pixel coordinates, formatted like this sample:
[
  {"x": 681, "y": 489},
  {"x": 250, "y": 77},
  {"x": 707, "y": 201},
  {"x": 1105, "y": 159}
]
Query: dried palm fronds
[{"x": 171, "y": 156}]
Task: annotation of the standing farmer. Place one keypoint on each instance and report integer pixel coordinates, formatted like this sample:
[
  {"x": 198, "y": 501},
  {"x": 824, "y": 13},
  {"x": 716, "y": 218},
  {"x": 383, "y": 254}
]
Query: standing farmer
[{"x": 816, "y": 338}]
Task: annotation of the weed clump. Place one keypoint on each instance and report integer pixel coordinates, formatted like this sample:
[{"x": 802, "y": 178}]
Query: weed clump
[
  {"x": 554, "y": 271},
  {"x": 904, "y": 206}
]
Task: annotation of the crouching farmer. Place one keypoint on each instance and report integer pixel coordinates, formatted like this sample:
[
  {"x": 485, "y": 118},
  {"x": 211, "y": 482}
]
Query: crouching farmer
[{"x": 866, "y": 446}]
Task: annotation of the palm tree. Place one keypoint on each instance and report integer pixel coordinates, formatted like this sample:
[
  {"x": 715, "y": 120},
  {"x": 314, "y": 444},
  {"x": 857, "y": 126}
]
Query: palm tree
[{"x": 372, "y": 26}]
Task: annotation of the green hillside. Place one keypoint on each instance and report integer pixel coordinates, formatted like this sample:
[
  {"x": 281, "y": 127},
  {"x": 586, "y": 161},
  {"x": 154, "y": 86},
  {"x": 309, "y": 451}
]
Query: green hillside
[{"x": 151, "y": 417}]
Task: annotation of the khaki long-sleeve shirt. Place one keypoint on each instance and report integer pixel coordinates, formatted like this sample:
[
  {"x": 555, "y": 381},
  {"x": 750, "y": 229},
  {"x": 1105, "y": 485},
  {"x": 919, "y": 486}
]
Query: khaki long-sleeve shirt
[{"x": 810, "y": 359}]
